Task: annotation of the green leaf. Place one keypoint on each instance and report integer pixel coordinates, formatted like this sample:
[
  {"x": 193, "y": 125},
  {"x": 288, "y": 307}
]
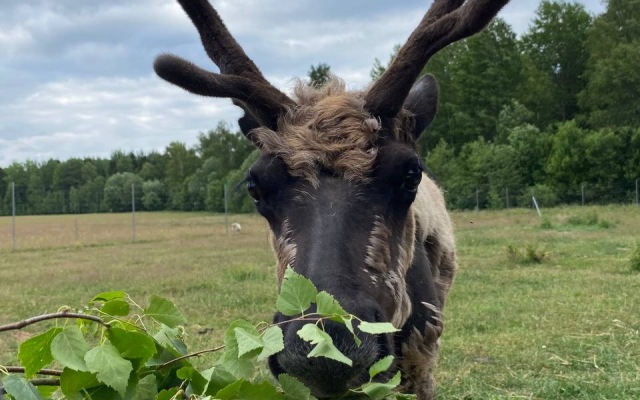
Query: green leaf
[
  {"x": 377, "y": 327},
  {"x": 248, "y": 340},
  {"x": 230, "y": 391},
  {"x": 324, "y": 344},
  {"x": 107, "y": 296},
  {"x": 167, "y": 394},
  {"x": 170, "y": 339},
  {"x": 116, "y": 307},
  {"x": 164, "y": 311},
  {"x": 110, "y": 367},
  {"x": 72, "y": 381},
  {"x": 379, "y": 366},
  {"x": 347, "y": 320},
  {"x": 35, "y": 353},
  {"x": 196, "y": 380},
  {"x": 258, "y": 391},
  {"x": 69, "y": 348},
  {"x": 245, "y": 390},
  {"x": 146, "y": 388},
  {"x": 296, "y": 294},
  {"x": 378, "y": 390},
  {"x": 132, "y": 344},
  {"x": 20, "y": 388},
  {"x": 47, "y": 391},
  {"x": 273, "y": 342},
  {"x": 217, "y": 378},
  {"x": 328, "y": 306},
  {"x": 239, "y": 367},
  {"x": 294, "y": 389}
]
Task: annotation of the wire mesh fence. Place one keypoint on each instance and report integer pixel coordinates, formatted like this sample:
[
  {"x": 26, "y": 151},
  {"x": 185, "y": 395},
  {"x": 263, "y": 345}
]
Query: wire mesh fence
[{"x": 58, "y": 221}]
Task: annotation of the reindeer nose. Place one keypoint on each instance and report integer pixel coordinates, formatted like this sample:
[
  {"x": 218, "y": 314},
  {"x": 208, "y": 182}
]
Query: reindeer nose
[{"x": 324, "y": 376}]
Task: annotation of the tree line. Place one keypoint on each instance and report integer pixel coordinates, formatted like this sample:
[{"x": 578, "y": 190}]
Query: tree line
[
  {"x": 179, "y": 178},
  {"x": 546, "y": 112},
  {"x": 543, "y": 113}
]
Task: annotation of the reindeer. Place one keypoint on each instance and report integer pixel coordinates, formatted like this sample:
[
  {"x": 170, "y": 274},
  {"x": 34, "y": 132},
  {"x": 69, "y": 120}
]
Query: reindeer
[{"x": 345, "y": 195}]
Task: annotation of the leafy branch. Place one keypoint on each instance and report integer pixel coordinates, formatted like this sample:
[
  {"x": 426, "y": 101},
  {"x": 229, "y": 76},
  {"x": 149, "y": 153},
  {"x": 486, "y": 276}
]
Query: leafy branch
[
  {"x": 111, "y": 351},
  {"x": 44, "y": 317}
]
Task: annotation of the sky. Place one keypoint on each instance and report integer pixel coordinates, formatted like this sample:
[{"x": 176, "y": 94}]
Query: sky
[{"x": 76, "y": 77}]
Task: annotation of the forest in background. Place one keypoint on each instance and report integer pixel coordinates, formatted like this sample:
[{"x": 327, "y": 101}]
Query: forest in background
[{"x": 547, "y": 113}]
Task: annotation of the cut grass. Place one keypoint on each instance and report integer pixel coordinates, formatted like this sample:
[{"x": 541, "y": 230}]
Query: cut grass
[{"x": 566, "y": 328}]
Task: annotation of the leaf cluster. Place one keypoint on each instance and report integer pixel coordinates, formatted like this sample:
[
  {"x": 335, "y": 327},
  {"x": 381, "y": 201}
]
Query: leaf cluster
[{"x": 114, "y": 348}]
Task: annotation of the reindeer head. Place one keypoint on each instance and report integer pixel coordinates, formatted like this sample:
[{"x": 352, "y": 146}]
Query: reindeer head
[{"x": 337, "y": 176}]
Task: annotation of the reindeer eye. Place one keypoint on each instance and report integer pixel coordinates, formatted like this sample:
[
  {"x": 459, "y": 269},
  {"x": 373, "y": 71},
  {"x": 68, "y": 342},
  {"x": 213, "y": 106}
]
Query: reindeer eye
[
  {"x": 253, "y": 190},
  {"x": 412, "y": 178}
]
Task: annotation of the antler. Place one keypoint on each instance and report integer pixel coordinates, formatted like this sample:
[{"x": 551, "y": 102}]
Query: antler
[
  {"x": 446, "y": 21},
  {"x": 239, "y": 77}
]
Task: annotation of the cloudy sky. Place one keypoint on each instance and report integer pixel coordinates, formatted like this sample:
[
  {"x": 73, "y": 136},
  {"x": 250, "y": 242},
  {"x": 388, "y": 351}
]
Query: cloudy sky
[{"x": 76, "y": 76}]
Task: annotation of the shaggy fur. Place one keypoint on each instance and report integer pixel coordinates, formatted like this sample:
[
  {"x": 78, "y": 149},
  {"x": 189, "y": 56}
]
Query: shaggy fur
[{"x": 328, "y": 129}]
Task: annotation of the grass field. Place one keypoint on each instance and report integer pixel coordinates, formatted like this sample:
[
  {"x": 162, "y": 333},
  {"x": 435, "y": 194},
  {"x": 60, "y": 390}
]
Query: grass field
[{"x": 541, "y": 309}]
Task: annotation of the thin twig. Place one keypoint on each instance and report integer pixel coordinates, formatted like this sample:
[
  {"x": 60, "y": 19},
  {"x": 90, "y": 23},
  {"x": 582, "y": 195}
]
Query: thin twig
[
  {"x": 196, "y": 354},
  {"x": 45, "y": 382},
  {"x": 20, "y": 370},
  {"x": 44, "y": 317}
]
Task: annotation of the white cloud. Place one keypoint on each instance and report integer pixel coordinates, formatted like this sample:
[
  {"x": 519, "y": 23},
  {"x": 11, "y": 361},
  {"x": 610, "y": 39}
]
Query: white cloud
[
  {"x": 82, "y": 118},
  {"x": 77, "y": 81}
]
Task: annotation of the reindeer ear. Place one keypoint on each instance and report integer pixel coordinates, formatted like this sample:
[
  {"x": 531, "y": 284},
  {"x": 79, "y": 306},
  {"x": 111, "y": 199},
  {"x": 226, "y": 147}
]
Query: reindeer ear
[{"x": 422, "y": 101}]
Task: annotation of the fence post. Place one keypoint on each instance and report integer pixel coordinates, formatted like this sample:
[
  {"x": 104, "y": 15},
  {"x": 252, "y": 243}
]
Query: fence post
[
  {"x": 226, "y": 214},
  {"x": 13, "y": 212},
  {"x": 477, "y": 199},
  {"x": 582, "y": 189},
  {"x": 133, "y": 212},
  {"x": 507, "y": 192}
]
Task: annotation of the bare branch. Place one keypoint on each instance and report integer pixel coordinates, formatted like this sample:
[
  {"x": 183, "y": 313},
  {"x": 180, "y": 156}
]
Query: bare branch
[
  {"x": 196, "y": 354},
  {"x": 45, "y": 317},
  {"x": 45, "y": 382},
  {"x": 20, "y": 370}
]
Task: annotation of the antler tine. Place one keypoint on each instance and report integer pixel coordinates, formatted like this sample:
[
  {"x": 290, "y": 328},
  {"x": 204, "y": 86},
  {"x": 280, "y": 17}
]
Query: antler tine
[
  {"x": 263, "y": 101},
  {"x": 240, "y": 78},
  {"x": 445, "y": 22},
  {"x": 218, "y": 42}
]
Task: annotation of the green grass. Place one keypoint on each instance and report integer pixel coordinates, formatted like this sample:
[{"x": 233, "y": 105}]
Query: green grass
[{"x": 563, "y": 328}]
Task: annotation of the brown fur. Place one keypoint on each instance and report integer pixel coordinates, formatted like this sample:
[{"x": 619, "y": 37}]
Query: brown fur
[{"x": 329, "y": 128}]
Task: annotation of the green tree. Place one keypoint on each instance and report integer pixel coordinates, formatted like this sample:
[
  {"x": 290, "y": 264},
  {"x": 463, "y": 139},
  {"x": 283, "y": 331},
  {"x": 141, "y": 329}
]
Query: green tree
[
  {"x": 36, "y": 191},
  {"x": 154, "y": 195},
  {"x": 181, "y": 164},
  {"x": 153, "y": 167},
  {"x": 477, "y": 76},
  {"x": 556, "y": 44},
  {"x": 117, "y": 191},
  {"x": 3, "y": 189},
  {"x": 68, "y": 174},
  {"x": 612, "y": 94},
  {"x": 16, "y": 173},
  {"x": 121, "y": 162},
  {"x": 319, "y": 75},
  {"x": 227, "y": 150},
  {"x": 537, "y": 93}
]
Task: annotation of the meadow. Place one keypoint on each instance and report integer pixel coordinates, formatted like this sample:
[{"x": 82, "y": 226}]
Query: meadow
[{"x": 542, "y": 308}]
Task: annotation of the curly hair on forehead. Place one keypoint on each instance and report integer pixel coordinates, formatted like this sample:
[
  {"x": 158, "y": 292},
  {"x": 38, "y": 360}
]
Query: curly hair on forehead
[{"x": 328, "y": 129}]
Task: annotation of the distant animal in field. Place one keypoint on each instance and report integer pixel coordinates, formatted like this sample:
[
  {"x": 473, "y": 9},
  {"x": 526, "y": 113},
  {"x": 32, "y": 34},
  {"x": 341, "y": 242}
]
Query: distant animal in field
[
  {"x": 236, "y": 228},
  {"x": 341, "y": 184}
]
